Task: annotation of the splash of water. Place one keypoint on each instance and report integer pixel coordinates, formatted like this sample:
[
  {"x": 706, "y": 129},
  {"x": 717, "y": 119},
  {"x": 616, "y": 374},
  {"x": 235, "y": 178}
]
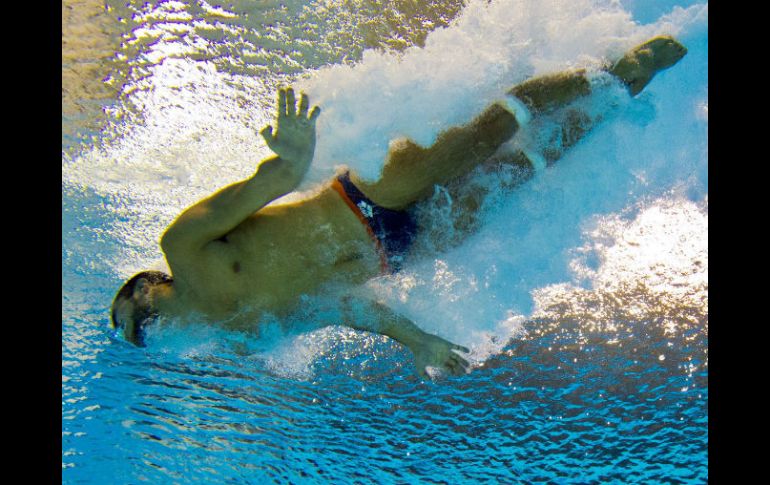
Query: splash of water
[{"x": 197, "y": 132}]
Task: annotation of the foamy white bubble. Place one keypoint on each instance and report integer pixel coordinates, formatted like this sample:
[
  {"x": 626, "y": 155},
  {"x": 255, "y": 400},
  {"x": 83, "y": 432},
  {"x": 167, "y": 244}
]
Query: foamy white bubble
[
  {"x": 650, "y": 248},
  {"x": 295, "y": 355},
  {"x": 462, "y": 69},
  {"x": 664, "y": 248},
  {"x": 454, "y": 303},
  {"x": 184, "y": 340}
]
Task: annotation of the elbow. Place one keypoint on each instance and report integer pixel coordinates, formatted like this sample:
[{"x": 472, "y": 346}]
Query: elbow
[
  {"x": 172, "y": 240},
  {"x": 186, "y": 232}
]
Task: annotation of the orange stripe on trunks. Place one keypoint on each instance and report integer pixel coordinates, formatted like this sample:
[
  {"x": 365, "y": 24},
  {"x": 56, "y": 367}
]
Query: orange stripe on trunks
[{"x": 337, "y": 186}]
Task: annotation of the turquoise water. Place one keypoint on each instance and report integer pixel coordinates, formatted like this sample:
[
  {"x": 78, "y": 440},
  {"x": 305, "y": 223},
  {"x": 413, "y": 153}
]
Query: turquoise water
[{"x": 584, "y": 295}]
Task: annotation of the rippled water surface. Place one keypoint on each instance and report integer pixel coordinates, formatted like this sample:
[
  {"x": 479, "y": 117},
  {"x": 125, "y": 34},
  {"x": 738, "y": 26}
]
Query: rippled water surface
[{"x": 583, "y": 296}]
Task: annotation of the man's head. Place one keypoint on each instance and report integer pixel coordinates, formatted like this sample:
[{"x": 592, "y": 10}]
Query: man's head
[{"x": 132, "y": 308}]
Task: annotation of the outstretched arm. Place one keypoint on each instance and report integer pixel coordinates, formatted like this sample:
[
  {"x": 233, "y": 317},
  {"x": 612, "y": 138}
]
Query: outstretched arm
[
  {"x": 428, "y": 350},
  {"x": 293, "y": 141}
]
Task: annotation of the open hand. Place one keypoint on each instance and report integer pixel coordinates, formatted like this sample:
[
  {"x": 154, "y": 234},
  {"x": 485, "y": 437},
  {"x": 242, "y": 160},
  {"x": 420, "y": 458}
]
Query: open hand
[
  {"x": 294, "y": 136},
  {"x": 434, "y": 351}
]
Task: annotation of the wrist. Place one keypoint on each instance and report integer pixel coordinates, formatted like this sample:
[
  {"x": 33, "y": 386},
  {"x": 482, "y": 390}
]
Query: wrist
[
  {"x": 406, "y": 332},
  {"x": 279, "y": 174}
]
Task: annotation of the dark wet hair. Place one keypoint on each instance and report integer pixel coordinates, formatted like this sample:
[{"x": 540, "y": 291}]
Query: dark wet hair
[{"x": 140, "y": 315}]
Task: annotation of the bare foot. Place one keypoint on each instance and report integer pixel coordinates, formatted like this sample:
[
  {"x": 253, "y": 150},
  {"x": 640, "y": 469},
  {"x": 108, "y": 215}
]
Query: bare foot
[{"x": 641, "y": 63}]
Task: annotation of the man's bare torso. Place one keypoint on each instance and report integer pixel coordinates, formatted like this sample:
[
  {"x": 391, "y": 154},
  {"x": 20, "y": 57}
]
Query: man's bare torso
[{"x": 278, "y": 254}]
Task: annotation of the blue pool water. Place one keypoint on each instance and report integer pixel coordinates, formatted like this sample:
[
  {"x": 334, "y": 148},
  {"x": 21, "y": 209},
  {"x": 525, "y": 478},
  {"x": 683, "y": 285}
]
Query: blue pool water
[{"x": 583, "y": 296}]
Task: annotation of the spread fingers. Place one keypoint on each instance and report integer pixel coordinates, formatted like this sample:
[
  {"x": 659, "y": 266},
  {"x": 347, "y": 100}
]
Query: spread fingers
[
  {"x": 303, "y": 105},
  {"x": 455, "y": 368},
  {"x": 460, "y": 361},
  {"x": 281, "y": 103},
  {"x": 314, "y": 113},
  {"x": 291, "y": 102}
]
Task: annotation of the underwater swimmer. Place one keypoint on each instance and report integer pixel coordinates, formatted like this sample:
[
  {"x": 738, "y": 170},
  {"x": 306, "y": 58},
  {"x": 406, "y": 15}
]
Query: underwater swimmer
[{"x": 235, "y": 259}]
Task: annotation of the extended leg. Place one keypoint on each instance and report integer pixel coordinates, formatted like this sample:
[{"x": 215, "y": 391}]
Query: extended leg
[
  {"x": 412, "y": 171},
  {"x": 549, "y": 95}
]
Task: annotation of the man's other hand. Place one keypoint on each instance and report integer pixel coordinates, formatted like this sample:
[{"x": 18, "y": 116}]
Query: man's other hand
[{"x": 434, "y": 351}]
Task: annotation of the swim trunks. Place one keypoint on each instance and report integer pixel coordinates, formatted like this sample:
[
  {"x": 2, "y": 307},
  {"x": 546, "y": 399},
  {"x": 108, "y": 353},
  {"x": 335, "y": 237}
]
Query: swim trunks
[{"x": 392, "y": 231}]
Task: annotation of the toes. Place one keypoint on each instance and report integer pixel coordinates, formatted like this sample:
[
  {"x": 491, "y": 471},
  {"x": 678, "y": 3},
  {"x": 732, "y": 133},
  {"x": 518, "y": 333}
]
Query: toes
[
  {"x": 454, "y": 368},
  {"x": 458, "y": 358},
  {"x": 458, "y": 365}
]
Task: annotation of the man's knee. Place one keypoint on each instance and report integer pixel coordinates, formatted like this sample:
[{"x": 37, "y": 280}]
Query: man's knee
[{"x": 496, "y": 125}]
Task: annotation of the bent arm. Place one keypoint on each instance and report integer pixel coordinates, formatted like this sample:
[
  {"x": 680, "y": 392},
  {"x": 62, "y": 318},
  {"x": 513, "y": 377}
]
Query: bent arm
[{"x": 218, "y": 214}]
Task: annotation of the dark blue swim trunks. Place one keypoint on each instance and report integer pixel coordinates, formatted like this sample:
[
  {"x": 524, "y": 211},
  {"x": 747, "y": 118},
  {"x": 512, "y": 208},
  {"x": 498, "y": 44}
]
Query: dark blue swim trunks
[{"x": 393, "y": 231}]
